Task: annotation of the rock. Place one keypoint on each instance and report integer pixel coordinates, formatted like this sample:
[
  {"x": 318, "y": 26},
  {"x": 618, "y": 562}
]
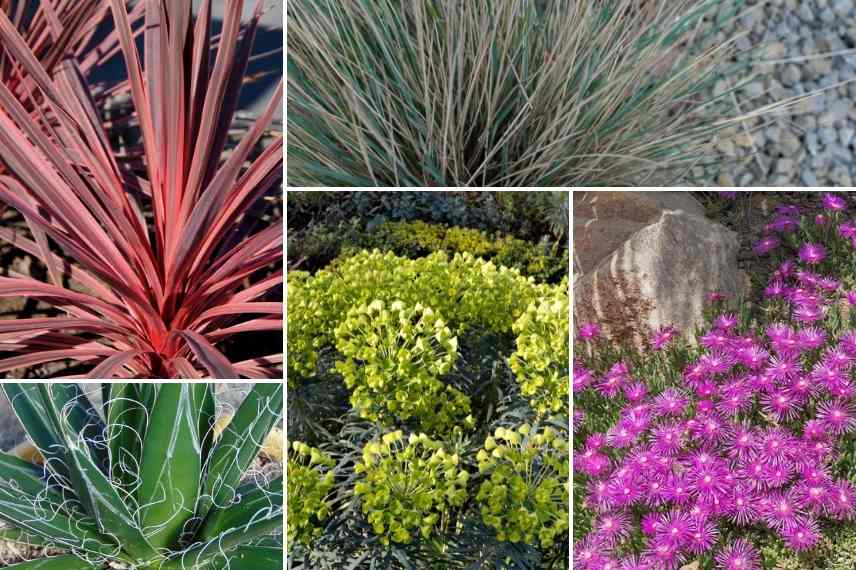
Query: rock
[
  {"x": 842, "y": 8},
  {"x": 808, "y": 178},
  {"x": 754, "y": 89},
  {"x": 820, "y": 67},
  {"x": 805, "y": 13},
  {"x": 845, "y": 135},
  {"x": 726, "y": 147},
  {"x": 784, "y": 165},
  {"x": 790, "y": 75},
  {"x": 725, "y": 180},
  {"x": 827, "y": 135},
  {"x": 660, "y": 273},
  {"x": 840, "y": 176},
  {"x": 789, "y": 144}
]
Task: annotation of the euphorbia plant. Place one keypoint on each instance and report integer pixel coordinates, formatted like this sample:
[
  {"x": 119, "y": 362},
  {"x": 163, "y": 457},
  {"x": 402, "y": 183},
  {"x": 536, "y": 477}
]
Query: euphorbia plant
[
  {"x": 141, "y": 481},
  {"x": 153, "y": 262}
]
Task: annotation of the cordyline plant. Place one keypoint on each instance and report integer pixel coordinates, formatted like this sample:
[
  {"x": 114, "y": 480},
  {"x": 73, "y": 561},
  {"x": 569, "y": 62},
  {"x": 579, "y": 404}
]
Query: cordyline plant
[
  {"x": 53, "y": 30},
  {"x": 142, "y": 482},
  {"x": 511, "y": 93},
  {"x": 145, "y": 292}
]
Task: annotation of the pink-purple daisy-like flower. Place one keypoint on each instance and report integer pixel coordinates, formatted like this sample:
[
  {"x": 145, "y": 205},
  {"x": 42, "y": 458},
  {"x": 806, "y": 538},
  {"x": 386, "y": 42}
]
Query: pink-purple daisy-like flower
[
  {"x": 739, "y": 555},
  {"x": 663, "y": 336},
  {"x": 832, "y": 202},
  {"x": 812, "y": 253},
  {"x": 589, "y": 331},
  {"x": 766, "y": 244}
]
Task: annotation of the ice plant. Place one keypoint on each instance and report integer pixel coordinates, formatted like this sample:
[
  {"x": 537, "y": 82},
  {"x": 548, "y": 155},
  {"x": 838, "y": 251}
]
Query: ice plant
[
  {"x": 141, "y": 481},
  {"x": 752, "y": 428},
  {"x": 152, "y": 263}
]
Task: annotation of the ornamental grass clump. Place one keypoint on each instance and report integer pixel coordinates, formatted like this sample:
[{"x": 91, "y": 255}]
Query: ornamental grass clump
[
  {"x": 511, "y": 93},
  {"x": 142, "y": 481},
  {"x": 153, "y": 259},
  {"x": 683, "y": 448}
]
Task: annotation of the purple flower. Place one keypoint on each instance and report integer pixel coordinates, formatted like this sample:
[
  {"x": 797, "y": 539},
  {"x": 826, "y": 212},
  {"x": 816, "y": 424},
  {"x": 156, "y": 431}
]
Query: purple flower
[
  {"x": 635, "y": 392},
  {"x": 847, "y": 230},
  {"x": 587, "y": 553},
  {"x": 668, "y": 439},
  {"x": 704, "y": 536},
  {"x": 776, "y": 288},
  {"x": 611, "y": 528},
  {"x": 663, "y": 336},
  {"x": 812, "y": 253},
  {"x": 671, "y": 402},
  {"x": 715, "y": 297},
  {"x": 766, "y": 244},
  {"x": 837, "y": 416},
  {"x": 742, "y": 508},
  {"x": 843, "y": 500},
  {"x": 674, "y": 528},
  {"x": 808, "y": 313},
  {"x": 589, "y": 331},
  {"x": 726, "y": 321},
  {"x": 781, "y": 405},
  {"x": 833, "y": 203},
  {"x": 779, "y": 511},
  {"x": 782, "y": 225},
  {"x": 851, "y": 298},
  {"x": 739, "y": 555},
  {"x": 636, "y": 563},
  {"x": 802, "y": 535}
]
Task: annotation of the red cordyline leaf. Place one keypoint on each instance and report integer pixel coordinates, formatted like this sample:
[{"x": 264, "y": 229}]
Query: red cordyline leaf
[
  {"x": 143, "y": 295},
  {"x": 54, "y": 30}
]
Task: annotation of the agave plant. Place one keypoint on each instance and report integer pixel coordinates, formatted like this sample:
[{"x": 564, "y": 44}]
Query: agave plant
[
  {"x": 511, "y": 93},
  {"x": 141, "y": 481},
  {"x": 155, "y": 261}
]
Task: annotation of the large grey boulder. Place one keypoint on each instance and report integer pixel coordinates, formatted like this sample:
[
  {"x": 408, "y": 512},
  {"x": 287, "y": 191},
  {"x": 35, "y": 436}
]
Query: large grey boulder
[{"x": 648, "y": 259}]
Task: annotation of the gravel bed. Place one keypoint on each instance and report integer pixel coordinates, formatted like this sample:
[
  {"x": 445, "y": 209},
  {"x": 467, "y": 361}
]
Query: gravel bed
[{"x": 812, "y": 142}]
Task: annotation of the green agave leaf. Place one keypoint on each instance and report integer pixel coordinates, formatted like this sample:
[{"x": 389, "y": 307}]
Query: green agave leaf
[
  {"x": 29, "y": 515},
  {"x": 80, "y": 414},
  {"x": 247, "y": 558},
  {"x": 126, "y": 428},
  {"x": 63, "y": 562},
  {"x": 26, "y": 403},
  {"x": 21, "y": 536},
  {"x": 26, "y": 477},
  {"x": 113, "y": 516},
  {"x": 254, "y": 501},
  {"x": 170, "y": 468},
  {"x": 203, "y": 400},
  {"x": 201, "y": 554},
  {"x": 239, "y": 444}
]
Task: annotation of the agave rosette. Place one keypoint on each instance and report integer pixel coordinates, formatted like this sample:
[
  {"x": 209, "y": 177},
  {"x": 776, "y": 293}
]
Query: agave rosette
[
  {"x": 142, "y": 481},
  {"x": 151, "y": 266}
]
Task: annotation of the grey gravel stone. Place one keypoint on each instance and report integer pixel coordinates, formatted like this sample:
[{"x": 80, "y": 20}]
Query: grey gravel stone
[
  {"x": 811, "y": 141},
  {"x": 808, "y": 178},
  {"x": 791, "y": 75}
]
